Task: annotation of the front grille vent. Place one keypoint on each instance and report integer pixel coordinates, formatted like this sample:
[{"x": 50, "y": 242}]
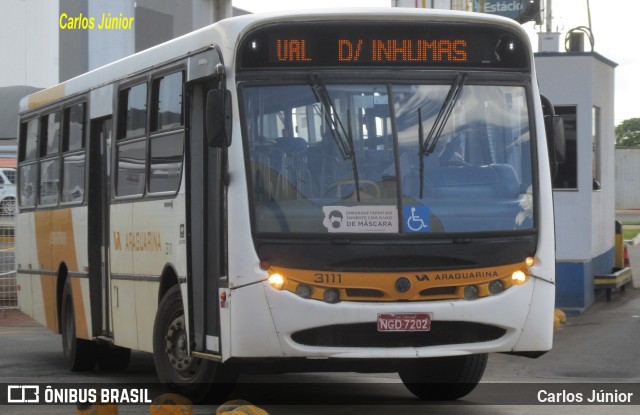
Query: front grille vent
[
  {"x": 367, "y": 335},
  {"x": 450, "y": 291},
  {"x": 364, "y": 292}
]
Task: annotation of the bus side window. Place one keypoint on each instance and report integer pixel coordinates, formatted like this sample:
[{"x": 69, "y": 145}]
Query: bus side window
[
  {"x": 28, "y": 168},
  {"x": 51, "y": 134},
  {"x": 73, "y": 144},
  {"x": 132, "y": 142},
  {"x": 50, "y": 160},
  {"x": 131, "y": 168},
  {"x": 74, "y": 128},
  {"x": 29, "y": 140},
  {"x": 166, "y": 102},
  {"x": 166, "y": 149},
  {"x": 132, "y": 120},
  {"x": 49, "y": 182}
]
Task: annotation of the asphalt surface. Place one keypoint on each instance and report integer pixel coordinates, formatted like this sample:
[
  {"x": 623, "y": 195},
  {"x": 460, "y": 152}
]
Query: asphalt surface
[{"x": 597, "y": 348}]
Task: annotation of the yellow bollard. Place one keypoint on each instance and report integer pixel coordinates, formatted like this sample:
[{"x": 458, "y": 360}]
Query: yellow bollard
[
  {"x": 97, "y": 409},
  {"x": 171, "y": 404},
  {"x": 561, "y": 315},
  {"x": 240, "y": 407}
]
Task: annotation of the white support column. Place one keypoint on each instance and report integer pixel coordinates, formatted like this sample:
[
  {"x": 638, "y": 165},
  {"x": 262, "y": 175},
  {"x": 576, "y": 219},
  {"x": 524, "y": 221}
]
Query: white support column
[
  {"x": 106, "y": 46},
  {"x": 206, "y": 12}
]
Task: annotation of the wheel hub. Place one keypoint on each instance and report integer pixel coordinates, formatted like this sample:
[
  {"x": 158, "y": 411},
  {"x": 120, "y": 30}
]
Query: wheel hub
[{"x": 177, "y": 352}]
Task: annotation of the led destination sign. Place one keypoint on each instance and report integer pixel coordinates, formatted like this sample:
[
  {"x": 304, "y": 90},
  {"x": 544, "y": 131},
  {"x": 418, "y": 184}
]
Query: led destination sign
[
  {"x": 381, "y": 44},
  {"x": 379, "y": 50}
]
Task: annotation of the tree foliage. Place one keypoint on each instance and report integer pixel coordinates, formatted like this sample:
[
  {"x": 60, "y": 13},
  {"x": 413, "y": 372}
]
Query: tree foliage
[{"x": 628, "y": 133}]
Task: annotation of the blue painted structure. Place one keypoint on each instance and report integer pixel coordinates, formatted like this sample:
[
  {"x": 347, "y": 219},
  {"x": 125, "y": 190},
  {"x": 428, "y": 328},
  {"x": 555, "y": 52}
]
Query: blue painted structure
[{"x": 574, "y": 281}]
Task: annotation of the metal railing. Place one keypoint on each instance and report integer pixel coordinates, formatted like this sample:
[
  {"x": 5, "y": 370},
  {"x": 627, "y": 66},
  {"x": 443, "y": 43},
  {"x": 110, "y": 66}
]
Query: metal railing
[{"x": 8, "y": 284}]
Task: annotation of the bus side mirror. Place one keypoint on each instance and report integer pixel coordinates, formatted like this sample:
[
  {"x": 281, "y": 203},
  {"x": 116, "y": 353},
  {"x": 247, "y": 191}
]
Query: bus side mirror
[
  {"x": 554, "y": 129},
  {"x": 218, "y": 118},
  {"x": 554, "y": 125}
]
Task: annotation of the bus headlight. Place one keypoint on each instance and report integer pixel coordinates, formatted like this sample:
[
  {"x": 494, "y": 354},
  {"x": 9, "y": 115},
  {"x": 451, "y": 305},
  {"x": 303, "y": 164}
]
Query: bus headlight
[
  {"x": 529, "y": 262},
  {"x": 518, "y": 277},
  {"x": 276, "y": 281}
]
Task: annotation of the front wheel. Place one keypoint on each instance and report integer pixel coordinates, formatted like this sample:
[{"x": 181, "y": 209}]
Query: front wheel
[
  {"x": 443, "y": 378},
  {"x": 195, "y": 378},
  {"x": 79, "y": 354}
]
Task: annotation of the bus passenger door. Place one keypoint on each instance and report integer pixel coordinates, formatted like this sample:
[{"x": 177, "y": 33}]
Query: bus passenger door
[
  {"x": 205, "y": 217},
  {"x": 98, "y": 226}
]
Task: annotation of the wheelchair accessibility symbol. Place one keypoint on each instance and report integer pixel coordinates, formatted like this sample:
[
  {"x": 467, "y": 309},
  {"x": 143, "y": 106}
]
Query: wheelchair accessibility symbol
[{"x": 416, "y": 219}]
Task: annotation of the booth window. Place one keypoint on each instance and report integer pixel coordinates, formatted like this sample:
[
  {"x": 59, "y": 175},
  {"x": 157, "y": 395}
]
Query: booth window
[{"x": 567, "y": 177}]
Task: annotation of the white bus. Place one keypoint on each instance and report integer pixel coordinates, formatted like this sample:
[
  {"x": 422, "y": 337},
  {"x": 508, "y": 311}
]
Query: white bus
[{"x": 360, "y": 190}]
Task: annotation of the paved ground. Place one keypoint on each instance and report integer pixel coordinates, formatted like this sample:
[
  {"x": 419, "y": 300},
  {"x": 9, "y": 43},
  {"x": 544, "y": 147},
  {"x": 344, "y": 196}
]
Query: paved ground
[
  {"x": 14, "y": 318},
  {"x": 597, "y": 349}
]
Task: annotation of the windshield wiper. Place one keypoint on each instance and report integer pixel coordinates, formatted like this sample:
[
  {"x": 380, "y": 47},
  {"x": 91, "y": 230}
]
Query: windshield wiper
[
  {"x": 344, "y": 138},
  {"x": 444, "y": 113},
  {"x": 421, "y": 151},
  {"x": 428, "y": 146}
]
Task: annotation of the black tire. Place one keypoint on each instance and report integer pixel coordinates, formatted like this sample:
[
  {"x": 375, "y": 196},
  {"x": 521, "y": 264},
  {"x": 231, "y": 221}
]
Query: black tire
[
  {"x": 113, "y": 358},
  {"x": 443, "y": 378},
  {"x": 198, "y": 379},
  {"x": 79, "y": 354}
]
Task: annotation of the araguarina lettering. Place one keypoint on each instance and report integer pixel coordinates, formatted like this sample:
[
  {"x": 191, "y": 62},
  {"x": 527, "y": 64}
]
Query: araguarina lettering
[{"x": 465, "y": 275}]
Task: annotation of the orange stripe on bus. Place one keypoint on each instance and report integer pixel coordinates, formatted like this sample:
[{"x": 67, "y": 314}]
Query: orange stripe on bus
[
  {"x": 56, "y": 245},
  {"x": 46, "y": 96},
  {"x": 43, "y": 239},
  {"x": 62, "y": 240},
  {"x": 48, "y": 283},
  {"x": 78, "y": 307}
]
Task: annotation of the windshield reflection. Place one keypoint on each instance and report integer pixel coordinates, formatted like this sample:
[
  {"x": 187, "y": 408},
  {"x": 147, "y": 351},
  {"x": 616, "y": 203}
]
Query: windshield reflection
[{"x": 477, "y": 179}]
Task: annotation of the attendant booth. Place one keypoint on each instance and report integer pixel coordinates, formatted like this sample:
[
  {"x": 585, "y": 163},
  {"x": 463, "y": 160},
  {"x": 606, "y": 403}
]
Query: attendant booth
[{"x": 581, "y": 87}]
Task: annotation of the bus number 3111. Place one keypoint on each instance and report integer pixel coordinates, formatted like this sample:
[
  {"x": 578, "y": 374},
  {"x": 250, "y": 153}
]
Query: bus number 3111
[{"x": 328, "y": 278}]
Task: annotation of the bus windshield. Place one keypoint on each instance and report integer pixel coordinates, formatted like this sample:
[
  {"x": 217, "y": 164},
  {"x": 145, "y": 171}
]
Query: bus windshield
[{"x": 389, "y": 158}]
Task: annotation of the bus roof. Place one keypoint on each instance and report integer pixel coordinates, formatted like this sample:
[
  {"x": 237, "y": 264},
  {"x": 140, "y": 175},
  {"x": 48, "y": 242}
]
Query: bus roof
[{"x": 227, "y": 33}]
